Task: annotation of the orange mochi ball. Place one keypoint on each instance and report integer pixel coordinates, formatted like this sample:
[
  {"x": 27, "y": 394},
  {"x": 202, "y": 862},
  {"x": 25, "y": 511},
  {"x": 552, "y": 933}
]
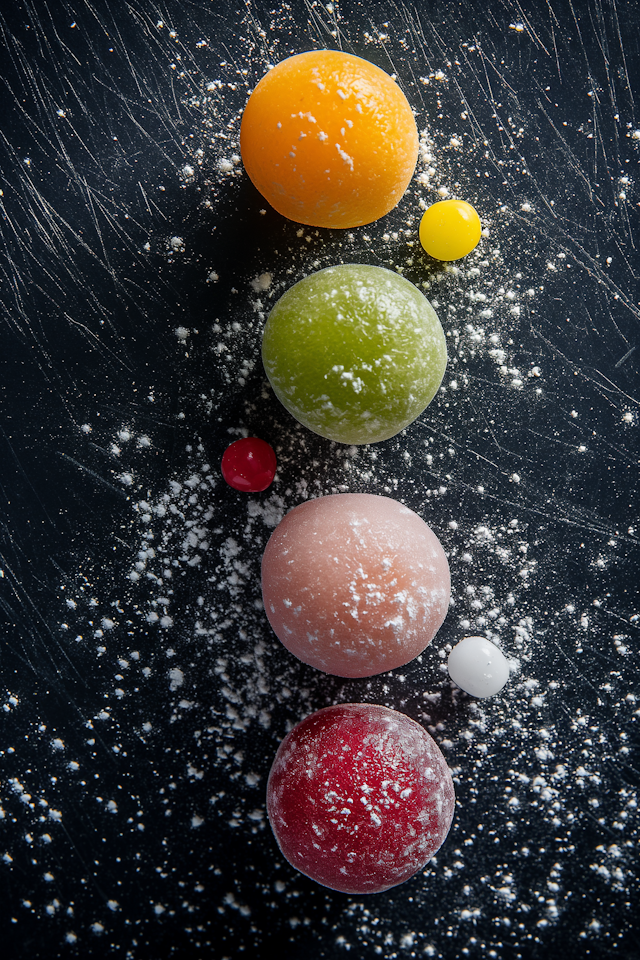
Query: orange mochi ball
[
  {"x": 355, "y": 584},
  {"x": 329, "y": 139}
]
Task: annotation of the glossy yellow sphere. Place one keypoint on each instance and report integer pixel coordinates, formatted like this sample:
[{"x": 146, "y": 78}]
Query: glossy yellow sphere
[{"x": 450, "y": 229}]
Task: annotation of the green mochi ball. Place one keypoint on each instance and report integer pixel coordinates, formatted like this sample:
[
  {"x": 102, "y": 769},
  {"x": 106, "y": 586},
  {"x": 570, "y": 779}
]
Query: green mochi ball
[{"x": 354, "y": 352}]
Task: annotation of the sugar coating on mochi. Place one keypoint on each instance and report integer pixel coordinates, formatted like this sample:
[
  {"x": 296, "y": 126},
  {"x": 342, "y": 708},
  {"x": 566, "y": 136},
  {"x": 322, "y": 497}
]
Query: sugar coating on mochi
[
  {"x": 355, "y": 584},
  {"x": 359, "y": 797},
  {"x": 354, "y": 352}
]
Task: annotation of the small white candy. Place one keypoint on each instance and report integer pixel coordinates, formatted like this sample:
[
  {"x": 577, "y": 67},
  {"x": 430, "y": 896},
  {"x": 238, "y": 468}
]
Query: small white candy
[{"x": 478, "y": 666}]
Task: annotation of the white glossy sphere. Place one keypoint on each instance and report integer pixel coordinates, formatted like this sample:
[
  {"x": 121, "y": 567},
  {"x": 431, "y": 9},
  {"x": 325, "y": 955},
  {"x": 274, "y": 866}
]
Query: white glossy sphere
[{"x": 478, "y": 666}]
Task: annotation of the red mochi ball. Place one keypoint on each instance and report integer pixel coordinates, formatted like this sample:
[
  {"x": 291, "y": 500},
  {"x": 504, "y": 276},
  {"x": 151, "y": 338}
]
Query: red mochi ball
[
  {"x": 355, "y": 584},
  {"x": 359, "y": 797}
]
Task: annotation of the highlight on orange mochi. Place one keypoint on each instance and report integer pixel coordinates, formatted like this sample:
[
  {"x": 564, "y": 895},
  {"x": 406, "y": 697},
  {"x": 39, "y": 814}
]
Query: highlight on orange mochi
[{"x": 329, "y": 139}]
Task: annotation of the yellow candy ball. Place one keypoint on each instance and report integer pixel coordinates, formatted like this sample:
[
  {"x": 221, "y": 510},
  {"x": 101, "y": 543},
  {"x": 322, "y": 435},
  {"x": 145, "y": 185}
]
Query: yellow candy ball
[{"x": 450, "y": 229}]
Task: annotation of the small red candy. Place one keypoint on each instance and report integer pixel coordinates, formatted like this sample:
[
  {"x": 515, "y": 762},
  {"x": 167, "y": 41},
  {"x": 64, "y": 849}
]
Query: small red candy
[{"x": 249, "y": 465}]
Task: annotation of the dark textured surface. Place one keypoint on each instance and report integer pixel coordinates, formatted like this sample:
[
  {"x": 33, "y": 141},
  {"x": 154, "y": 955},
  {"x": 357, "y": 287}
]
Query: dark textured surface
[{"x": 133, "y": 288}]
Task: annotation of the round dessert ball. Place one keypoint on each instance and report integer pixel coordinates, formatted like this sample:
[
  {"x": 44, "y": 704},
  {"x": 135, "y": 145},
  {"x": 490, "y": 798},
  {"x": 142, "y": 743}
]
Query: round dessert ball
[
  {"x": 329, "y": 139},
  {"x": 354, "y": 584},
  {"x": 478, "y": 667},
  {"x": 359, "y": 797},
  {"x": 354, "y": 352}
]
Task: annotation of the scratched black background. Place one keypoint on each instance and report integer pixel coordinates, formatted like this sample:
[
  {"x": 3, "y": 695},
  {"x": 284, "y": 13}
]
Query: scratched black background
[{"x": 140, "y": 714}]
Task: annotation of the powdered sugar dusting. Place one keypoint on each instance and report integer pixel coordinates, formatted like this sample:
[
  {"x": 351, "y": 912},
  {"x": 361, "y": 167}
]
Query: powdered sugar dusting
[{"x": 134, "y": 770}]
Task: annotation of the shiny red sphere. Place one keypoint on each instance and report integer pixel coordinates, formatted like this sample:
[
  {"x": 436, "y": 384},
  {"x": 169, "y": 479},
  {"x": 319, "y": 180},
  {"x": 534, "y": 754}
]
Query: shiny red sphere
[
  {"x": 249, "y": 465},
  {"x": 359, "y": 797}
]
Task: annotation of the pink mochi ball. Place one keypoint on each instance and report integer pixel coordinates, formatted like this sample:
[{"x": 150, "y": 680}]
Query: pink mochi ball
[
  {"x": 359, "y": 797},
  {"x": 355, "y": 584}
]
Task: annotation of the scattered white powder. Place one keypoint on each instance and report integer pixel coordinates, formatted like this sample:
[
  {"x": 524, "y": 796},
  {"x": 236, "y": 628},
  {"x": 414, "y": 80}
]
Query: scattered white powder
[
  {"x": 175, "y": 630},
  {"x": 262, "y": 282}
]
